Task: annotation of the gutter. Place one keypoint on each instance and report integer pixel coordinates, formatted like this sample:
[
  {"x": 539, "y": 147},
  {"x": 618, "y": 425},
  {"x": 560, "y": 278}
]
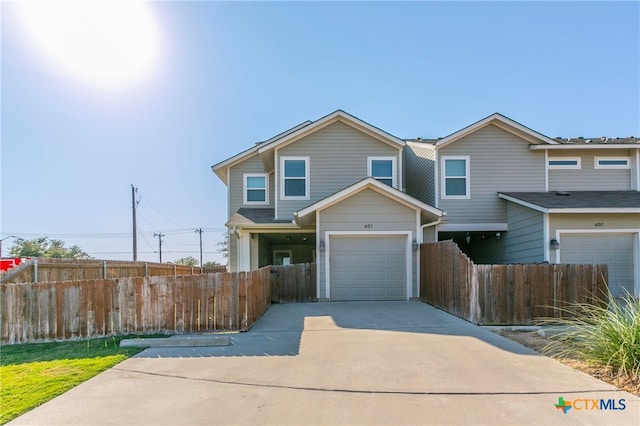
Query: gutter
[{"x": 427, "y": 225}]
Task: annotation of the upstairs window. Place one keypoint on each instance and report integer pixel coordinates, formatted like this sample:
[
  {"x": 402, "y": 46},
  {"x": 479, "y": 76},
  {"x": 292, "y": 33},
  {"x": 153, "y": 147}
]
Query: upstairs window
[
  {"x": 383, "y": 169},
  {"x": 256, "y": 188},
  {"x": 564, "y": 163},
  {"x": 613, "y": 163},
  {"x": 295, "y": 178},
  {"x": 455, "y": 177}
]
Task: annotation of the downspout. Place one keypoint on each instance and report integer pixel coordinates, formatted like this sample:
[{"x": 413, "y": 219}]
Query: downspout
[{"x": 427, "y": 225}]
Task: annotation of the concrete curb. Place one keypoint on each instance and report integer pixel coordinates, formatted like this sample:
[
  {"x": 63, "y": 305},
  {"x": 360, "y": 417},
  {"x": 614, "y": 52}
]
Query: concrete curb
[{"x": 177, "y": 342}]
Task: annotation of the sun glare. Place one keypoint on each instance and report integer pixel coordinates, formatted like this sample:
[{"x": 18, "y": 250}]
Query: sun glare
[{"x": 107, "y": 45}]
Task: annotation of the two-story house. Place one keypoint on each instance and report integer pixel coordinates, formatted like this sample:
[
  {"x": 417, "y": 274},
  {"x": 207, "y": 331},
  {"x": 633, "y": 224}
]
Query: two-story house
[{"x": 359, "y": 201}]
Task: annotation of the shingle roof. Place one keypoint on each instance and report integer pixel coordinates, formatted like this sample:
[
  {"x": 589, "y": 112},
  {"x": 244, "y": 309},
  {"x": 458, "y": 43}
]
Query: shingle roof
[
  {"x": 252, "y": 216},
  {"x": 631, "y": 140},
  {"x": 579, "y": 199}
]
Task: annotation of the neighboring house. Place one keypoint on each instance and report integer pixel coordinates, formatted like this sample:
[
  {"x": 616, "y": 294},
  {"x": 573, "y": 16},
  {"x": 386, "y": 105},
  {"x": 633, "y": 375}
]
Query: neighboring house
[{"x": 359, "y": 201}]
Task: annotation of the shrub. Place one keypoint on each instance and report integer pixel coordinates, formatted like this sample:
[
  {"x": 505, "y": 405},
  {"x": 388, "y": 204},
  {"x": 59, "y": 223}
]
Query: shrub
[{"x": 600, "y": 333}]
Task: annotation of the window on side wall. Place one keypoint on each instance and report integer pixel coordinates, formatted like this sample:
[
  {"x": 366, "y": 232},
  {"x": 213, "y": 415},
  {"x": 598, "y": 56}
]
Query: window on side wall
[
  {"x": 564, "y": 163},
  {"x": 256, "y": 190},
  {"x": 383, "y": 169},
  {"x": 613, "y": 163},
  {"x": 295, "y": 178},
  {"x": 455, "y": 177}
]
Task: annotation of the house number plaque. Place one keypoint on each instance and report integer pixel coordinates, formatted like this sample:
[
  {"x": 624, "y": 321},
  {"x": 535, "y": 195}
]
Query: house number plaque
[{"x": 368, "y": 226}]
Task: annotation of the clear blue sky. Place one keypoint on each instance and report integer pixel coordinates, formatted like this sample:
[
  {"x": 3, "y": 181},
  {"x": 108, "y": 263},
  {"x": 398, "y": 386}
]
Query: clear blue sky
[{"x": 230, "y": 74}]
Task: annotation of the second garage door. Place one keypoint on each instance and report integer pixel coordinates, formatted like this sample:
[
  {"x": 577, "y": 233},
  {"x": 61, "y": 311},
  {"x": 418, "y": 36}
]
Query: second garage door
[
  {"x": 368, "y": 268},
  {"x": 615, "y": 250}
]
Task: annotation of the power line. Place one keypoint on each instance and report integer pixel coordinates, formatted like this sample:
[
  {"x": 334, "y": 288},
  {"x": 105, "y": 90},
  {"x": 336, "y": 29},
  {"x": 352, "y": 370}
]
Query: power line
[
  {"x": 199, "y": 231},
  {"x": 159, "y": 236}
]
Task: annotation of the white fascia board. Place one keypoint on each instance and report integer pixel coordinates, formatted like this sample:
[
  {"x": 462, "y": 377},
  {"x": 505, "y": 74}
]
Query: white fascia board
[
  {"x": 524, "y": 203},
  {"x": 584, "y": 146},
  {"x": 567, "y": 210},
  {"x": 503, "y": 122},
  {"x": 220, "y": 168},
  {"x": 270, "y": 227},
  {"x": 329, "y": 119},
  {"x": 370, "y": 183},
  {"x": 597, "y": 210},
  {"x": 471, "y": 227}
]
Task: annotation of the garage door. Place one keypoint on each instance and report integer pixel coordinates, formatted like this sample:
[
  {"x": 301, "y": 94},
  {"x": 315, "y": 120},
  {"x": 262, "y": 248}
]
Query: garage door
[
  {"x": 615, "y": 250},
  {"x": 368, "y": 268}
]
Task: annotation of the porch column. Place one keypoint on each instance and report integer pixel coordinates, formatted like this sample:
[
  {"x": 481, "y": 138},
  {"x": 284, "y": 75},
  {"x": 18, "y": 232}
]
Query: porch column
[{"x": 244, "y": 251}]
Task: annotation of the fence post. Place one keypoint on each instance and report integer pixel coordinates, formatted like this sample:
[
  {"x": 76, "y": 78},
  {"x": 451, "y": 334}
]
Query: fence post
[
  {"x": 146, "y": 269},
  {"x": 35, "y": 271},
  {"x": 175, "y": 270},
  {"x": 104, "y": 265}
]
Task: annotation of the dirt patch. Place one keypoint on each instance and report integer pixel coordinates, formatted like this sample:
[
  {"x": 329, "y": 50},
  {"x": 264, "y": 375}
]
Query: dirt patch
[{"x": 535, "y": 341}]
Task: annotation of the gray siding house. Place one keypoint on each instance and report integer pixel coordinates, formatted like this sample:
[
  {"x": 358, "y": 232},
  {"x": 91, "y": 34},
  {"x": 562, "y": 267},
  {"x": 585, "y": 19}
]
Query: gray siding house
[{"x": 359, "y": 201}]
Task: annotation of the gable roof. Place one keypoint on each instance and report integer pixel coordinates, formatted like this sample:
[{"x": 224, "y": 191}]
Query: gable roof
[
  {"x": 266, "y": 148},
  {"x": 367, "y": 183},
  {"x": 503, "y": 122},
  {"x": 577, "y": 201},
  {"x": 336, "y": 116}
]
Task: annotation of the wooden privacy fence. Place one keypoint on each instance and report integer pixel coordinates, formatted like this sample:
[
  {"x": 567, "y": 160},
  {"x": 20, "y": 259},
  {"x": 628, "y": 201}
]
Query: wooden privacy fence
[
  {"x": 504, "y": 294},
  {"x": 32, "y": 312},
  {"x": 49, "y": 270}
]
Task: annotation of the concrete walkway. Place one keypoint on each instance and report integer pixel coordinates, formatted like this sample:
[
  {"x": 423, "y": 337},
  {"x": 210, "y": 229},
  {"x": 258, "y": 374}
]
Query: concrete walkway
[{"x": 345, "y": 364}]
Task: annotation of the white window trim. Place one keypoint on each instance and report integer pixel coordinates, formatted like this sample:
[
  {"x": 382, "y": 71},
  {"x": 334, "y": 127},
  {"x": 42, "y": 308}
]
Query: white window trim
[
  {"x": 443, "y": 180},
  {"x": 245, "y": 188},
  {"x": 612, "y": 166},
  {"x": 306, "y": 178},
  {"x": 578, "y": 165},
  {"x": 280, "y": 251},
  {"x": 394, "y": 181}
]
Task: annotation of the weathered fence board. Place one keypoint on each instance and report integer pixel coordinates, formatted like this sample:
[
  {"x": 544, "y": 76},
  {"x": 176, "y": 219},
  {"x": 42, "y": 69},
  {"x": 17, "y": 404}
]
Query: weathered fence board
[
  {"x": 504, "y": 294},
  {"x": 31, "y": 312},
  {"x": 50, "y": 270}
]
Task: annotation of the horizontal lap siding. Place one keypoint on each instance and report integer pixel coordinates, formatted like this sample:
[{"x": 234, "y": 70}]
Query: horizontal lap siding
[
  {"x": 589, "y": 221},
  {"x": 419, "y": 167},
  {"x": 236, "y": 184},
  {"x": 366, "y": 207},
  {"x": 338, "y": 158},
  {"x": 588, "y": 178},
  {"x": 524, "y": 242},
  {"x": 500, "y": 162}
]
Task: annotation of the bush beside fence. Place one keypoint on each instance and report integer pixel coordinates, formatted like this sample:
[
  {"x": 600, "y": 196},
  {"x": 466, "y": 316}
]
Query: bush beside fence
[
  {"x": 32, "y": 312},
  {"x": 504, "y": 294}
]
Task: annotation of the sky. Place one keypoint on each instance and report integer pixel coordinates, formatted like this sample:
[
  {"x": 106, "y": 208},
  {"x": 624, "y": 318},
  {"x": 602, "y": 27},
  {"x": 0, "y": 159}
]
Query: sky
[{"x": 96, "y": 99}]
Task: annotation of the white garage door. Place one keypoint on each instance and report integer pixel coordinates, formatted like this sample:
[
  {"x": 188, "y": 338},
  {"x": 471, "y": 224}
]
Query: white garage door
[
  {"x": 368, "y": 268},
  {"x": 615, "y": 250}
]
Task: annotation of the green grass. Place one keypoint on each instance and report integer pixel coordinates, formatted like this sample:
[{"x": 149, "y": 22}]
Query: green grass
[
  {"x": 32, "y": 374},
  {"x": 601, "y": 334}
]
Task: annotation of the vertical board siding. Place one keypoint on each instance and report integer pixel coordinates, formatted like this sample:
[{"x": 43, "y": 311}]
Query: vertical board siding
[
  {"x": 504, "y": 294},
  {"x": 32, "y": 312},
  {"x": 419, "y": 163}
]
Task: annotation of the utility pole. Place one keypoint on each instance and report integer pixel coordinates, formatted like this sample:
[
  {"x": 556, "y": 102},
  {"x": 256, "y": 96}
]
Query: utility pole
[
  {"x": 160, "y": 235},
  {"x": 135, "y": 231},
  {"x": 13, "y": 236},
  {"x": 199, "y": 231}
]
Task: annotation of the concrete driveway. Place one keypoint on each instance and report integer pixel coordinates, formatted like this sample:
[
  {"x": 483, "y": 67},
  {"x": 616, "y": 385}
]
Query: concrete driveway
[{"x": 343, "y": 363}]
